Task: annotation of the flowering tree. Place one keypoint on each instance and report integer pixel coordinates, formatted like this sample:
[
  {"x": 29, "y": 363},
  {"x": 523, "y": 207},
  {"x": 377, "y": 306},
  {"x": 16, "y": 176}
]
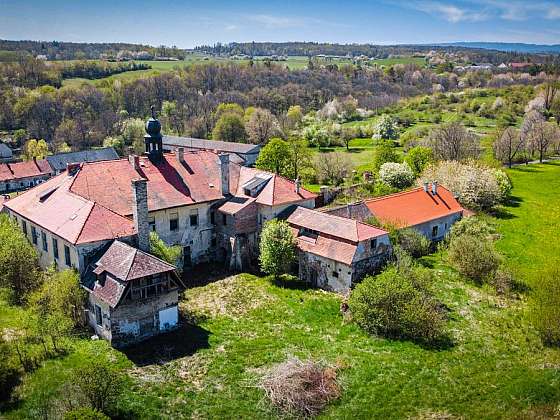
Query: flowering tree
[{"x": 397, "y": 175}]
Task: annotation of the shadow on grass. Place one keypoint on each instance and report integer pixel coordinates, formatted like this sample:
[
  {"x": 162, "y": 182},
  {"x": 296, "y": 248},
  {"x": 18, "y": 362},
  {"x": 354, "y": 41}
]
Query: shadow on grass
[
  {"x": 287, "y": 281},
  {"x": 184, "y": 341},
  {"x": 502, "y": 212}
]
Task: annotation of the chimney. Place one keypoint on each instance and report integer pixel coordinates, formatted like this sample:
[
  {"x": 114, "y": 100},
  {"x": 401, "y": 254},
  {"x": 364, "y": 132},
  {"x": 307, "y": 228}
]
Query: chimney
[
  {"x": 134, "y": 161},
  {"x": 434, "y": 187},
  {"x": 140, "y": 212},
  {"x": 72, "y": 168},
  {"x": 180, "y": 153},
  {"x": 298, "y": 184},
  {"x": 224, "y": 172},
  {"x": 426, "y": 186}
]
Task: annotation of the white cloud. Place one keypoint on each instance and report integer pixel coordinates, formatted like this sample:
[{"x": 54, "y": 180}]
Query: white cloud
[
  {"x": 230, "y": 27},
  {"x": 276, "y": 22},
  {"x": 450, "y": 12}
]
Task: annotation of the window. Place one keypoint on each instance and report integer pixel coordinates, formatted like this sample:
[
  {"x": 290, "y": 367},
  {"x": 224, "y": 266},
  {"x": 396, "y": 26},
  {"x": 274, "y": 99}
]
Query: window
[
  {"x": 224, "y": 219},
  {"x": 152, "y": 223},
  {"x": 34, "y": 235},
  {"x": 212, "y": 217},
  {"x": 44, "y": 241},
  {"x": 67, "y": 255},
  {"x": 335, "y": 274},
  {"x": 98, "y": 315},
  {"x": 24, "y": 227},
  {"x": 193, "y": 218},
  {"x": 213, "y": 242},
  {"x": 373, "y": 244},
  {"x": 434, "y": 231},
  {"x": 55, "y": 247},
  {"x": 173, "y": 221}
]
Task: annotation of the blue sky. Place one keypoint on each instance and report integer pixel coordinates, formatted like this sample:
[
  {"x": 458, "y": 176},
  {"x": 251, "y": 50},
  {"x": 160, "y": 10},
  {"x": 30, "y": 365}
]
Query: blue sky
[{"x": 190, "y": 23}]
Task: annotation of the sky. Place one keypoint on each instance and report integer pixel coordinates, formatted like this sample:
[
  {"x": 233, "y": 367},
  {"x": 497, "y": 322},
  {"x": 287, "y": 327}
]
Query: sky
[{"x": 186, "y": 24}]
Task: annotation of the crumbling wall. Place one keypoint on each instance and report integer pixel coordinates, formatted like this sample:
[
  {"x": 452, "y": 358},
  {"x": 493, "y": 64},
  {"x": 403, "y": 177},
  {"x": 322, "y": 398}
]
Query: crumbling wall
[{"x": 324, "y": 273}]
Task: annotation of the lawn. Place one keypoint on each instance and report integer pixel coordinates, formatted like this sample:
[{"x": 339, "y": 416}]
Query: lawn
[{"x": 495, "y": 367}]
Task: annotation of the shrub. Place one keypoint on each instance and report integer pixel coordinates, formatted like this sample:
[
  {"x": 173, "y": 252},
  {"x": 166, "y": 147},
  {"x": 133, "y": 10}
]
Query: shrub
[
  {"x": 170, "y": 254},
  {"x": 99, "y": 384},
  {"x": 418, "y": 158},
  {"x": 504, "y": 184},
  {"x": 84, "y": 413},
  {"x": 475, "y": 185},
  {"x": 413, "y": 242},
  {"x": 386, "y": 129},
  {"x": 277, "y": 248},
  {"x": 473, "y": 257},
  {"x": 384, "y": 153},
  {"x": 301, "y": 388},
  {"x": 545, "y": 305},
  {"x": 473, "y": 226},
  {"x": 398, "y": 304},
  {"x": 397, "y": 175}
]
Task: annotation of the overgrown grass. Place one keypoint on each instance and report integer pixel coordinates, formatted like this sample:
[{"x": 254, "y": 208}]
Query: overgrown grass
[{"x": 496, "y": 366}]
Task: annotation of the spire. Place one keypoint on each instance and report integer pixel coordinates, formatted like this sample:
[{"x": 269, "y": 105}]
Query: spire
[{"x": 153, "y": 138}]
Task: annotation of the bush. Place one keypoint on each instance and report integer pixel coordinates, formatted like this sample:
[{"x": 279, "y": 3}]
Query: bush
[
  {"x": 504, "y": 184},
  {"x": 397, "y": 175},
  {"x": 473, "y": 226},
  {"x": 545, "y": 305},
  {"x": 386, "y": 129},
  {"x": 384, "y": 153},
  {"x": 99, "y": 384},
  {"x": 418, "y": 158},
  {"x": 473, "y": 257},
  {"x": 277, "y": 248},
  {"x": 398, "y": 304},
  {"x": 301, "y": 388},
  {"x": 413, "y": 242},
  {"x": 170, "y": 254}
]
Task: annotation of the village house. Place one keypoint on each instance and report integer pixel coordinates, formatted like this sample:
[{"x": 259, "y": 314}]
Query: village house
[
  {"x": 242, "y": 153},
  {"x": 132, "y": 295},
  {"x": 23, "y": 175},
  {"x": 336, "y": 252},
  {"x": 431, "y": 210}
]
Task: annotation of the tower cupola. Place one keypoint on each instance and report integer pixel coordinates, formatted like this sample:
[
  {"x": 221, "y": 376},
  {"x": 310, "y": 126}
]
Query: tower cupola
[{"x": 153, "y": 140}]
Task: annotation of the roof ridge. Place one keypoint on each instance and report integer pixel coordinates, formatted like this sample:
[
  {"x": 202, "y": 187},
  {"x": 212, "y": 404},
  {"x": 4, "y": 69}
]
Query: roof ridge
[
  {"x": 132, "y": 263},
  {"x": 399, "y": 193},
  {"x": 84, "y": 224}
]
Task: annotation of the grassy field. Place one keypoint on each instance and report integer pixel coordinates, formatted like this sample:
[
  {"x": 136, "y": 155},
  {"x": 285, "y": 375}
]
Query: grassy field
[{"x": 495, "y": 367}]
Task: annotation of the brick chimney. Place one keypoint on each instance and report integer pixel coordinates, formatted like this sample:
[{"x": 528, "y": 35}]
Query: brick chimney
[
  {"x": 134, "y": 161},
  {"x": 434, "y": 187},
  {"x": 140, "y": 212},
  {"x": 224, "y": 172},
  {"x": 297, "y": 183},
  {"x": 180, "y": 153}
]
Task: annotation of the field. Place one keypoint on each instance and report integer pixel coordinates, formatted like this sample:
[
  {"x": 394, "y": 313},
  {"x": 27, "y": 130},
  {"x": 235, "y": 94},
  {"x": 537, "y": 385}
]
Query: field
[{"x": 495, "y": 366}]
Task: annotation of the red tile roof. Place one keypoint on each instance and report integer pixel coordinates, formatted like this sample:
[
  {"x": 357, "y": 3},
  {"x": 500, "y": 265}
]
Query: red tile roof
[
  {"x": 334, "y": 237},
  {"x": 21, "y": 170},
  {"x": 411, "y": 208},
  {"x": 336, "y": 226}
]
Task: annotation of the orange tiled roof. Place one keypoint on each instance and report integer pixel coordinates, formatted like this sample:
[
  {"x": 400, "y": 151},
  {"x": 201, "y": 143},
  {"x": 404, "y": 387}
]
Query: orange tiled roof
[
  {"x": 411, "y": 208},
  {"x": 21, "y": 170}
]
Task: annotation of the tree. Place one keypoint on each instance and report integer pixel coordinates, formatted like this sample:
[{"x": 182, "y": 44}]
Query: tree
[
  {"x": 453, "y": 142},
  {"x": 170, "y": 254},
  {"x": 347, "y": 134},
  {"x": 545, "y": 304},
  {"x": 541, "y": 136},
  {"x": 531, "y": 119},
  {"x": 550, "y": 92},
  {"x": 331, "y": 168},
  {"x": 386, "y": 128},
  {"x": 293, "y": 118},
  {"x": 229, "y": 108},
  {"x": 172, "y": 117},
  {"x": 35, "y": 149},
  {"x": 418, "y": 158},
  {"x": 384, "y": 153},
  {"x": 398, "y": 304},
  {"x": 275, "y": 157},
  {"x": 300, "y": 156},
  {"x": 262, "y": 125},
  {"x": 397, "y": 175},
  {"x": 507, "y": 145},
  {"x": 277, "y": 248},
  {"x": 116, "y": 142},
  {"x": 99, "y": 383},
  {"x": 19, "y": 263},
  {"x": 132, "y": 130},
  {"x": 230, "y": 128},
  {"x": 473, "y": 257}
]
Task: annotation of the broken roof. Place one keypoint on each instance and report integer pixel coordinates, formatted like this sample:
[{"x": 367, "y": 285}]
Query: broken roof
[
  {"x": 59, "y": 161},
  {"x": 411, "y": 208},
  {"x": 357, "y": 211}
]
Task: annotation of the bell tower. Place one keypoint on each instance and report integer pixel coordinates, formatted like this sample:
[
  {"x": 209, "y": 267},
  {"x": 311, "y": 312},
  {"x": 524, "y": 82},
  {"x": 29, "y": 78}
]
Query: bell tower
[{"x": 153, "y": 139}]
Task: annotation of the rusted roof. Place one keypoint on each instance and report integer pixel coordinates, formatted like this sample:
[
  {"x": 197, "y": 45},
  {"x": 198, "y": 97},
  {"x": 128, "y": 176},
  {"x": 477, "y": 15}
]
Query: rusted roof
[
  {"x": 357, "y": 211},
  {"x": 326, "y": 247},
  {"x": 111, "y": 291},
  {"x": 411, "y": 208},
  {"x": 127, "y": 263},
  {"x": 335, "y": 226},
  {"x": 21, "y": 170}
]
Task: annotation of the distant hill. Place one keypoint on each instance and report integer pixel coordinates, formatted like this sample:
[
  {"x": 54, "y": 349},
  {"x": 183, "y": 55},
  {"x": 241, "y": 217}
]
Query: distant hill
[{"x": 508, "y": 47}]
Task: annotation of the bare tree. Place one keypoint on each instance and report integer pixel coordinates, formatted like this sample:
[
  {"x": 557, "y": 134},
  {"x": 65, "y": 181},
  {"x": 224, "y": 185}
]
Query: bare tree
[
  {"x": 542, "y": 136},
  {"x": 332, "y": 168},
  {"x": 261, "y": 126},
  {"x": 453, "y": 142},
  {"x": 551, "y": 89},
  {"x": 508, "y": 145}
]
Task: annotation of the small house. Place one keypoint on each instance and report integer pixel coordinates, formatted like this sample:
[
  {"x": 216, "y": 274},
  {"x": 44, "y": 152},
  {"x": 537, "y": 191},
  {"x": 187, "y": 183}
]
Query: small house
[
  {"x": 132, "y": 295},
  {"x": 336, "y": 252}
]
